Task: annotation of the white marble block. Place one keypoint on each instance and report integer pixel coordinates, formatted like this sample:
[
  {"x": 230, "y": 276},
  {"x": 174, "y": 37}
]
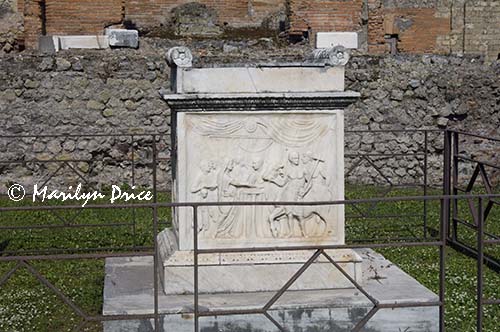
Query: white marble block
[
  {"x": 260, "y": 156},
  {"x": 257, "y": 156},
  {"x": 77, "y": 42},
  {"x": 123, "y": 38},
  {"x": 260, "y": 80},
  {"x": 332, "y": 39}
]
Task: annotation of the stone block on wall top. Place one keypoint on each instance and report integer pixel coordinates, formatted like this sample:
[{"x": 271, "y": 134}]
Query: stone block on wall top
[
  {"x": 48, "y": 44},
  {"x": 123, "y": 38},
  {"x": 332, "y": 39},
  {"x": 81, "y": 42}
]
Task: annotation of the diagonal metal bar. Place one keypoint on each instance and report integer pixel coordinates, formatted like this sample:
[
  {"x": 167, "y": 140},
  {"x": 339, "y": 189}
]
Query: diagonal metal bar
[
  {"x": 79, "y": 212},
  {"x": 487, "y": 186},
  {"x": 49, "y": 285},
  {"x": 67, "y": 222},
  {"x": 487, "y": 210},
  {"x": 472, "y": 160},
  {"x": 473, "y": 211},
  {"x": 61, "y": 219},
  {"x": 275, "y": 322},
  {"x": 372, "y": 163},
  {"x": 362, "y": 214},
  {"x": 351, "y": 280},
  {"x": 473, "y": 179},
  {"x": 374, "y": 205},
  {"x": 292, "y": 280},
  {"x": 485, "y": 178},
  {"x": 80, "y": 326},
  {"x": 357, "y": 162},
  {"x": 474, "y": 227},
  {"x": 54, "y": 213},
  {"x": 79, "y": 174},
  {"x": 365, "y": 320},
  {"x": 52, "y": 175},
  {"x": 354, "y": 166},
  {"x": 9, "y": 274}
]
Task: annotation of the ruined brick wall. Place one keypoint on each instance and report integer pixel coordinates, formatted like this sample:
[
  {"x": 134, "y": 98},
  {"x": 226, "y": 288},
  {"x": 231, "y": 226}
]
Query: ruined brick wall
[
  {"x": 420, "y": 27},
  {"x": 234, "y": 13},
  {"x": 476, "y": 28},
  {"x": 33, "y": 21},
  {"x": 325, "y": 15},
  {"x": 424, "y": 26},
  {"x": 10, "y": 26}
]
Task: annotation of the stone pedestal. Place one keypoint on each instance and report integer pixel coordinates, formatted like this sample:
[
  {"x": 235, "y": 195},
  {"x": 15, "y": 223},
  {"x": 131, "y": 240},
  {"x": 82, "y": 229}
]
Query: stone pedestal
[
  {"x": 252, "y": 272},
  {"x": 257, "y": 134}
]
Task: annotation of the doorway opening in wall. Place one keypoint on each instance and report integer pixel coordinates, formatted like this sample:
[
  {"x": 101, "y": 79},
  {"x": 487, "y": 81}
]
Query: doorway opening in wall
[{"x": 298, "y": 36}]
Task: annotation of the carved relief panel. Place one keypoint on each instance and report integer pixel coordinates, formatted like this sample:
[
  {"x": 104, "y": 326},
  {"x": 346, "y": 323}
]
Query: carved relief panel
[{"x": 260, "y": 156}]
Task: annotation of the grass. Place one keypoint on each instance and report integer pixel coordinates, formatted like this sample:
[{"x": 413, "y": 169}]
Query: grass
[{"x": 27, "y": 305}]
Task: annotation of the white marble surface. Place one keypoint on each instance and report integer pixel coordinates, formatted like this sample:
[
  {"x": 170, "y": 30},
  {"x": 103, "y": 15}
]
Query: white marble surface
[
  {"x": 260, "y": 156},
  {"x": 129, "y": 290},
  {"x": 264, "y": 79},
  {"x": 77, "y": 42},
  {"x": 332, "y": 39}
]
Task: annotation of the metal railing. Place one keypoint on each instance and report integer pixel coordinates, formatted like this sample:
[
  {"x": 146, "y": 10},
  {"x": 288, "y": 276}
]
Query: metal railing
[
  {"x": 444, "y": 236},
  {"x": 455, "y": 155}
]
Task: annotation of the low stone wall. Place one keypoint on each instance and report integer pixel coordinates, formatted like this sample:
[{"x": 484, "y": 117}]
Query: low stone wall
[{"x": 116, "y": 92}]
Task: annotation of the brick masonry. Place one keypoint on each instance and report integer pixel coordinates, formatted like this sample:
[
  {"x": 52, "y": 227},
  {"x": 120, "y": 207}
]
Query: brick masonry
[
  {"x": 427, "y": 26},
  {"x": 325, "y": 15},
  {"x": 233, "y": 13},
  {"x": 82, "y": 17}
]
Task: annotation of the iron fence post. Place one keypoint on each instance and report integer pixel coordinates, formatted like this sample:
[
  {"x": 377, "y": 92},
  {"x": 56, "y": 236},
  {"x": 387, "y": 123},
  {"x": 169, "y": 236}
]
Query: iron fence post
[
  {"x": 426, "y": 145},
  {"x": 195, "y": 268},
  {"x": 134, "y": 217},
  {"x": 454, "y": 184},
  {"x": 447, "y": 167},
  {"x": 156, "y": 257},
  {"x": 480, "y": 259},
  {"x": 442, "y": 269}
]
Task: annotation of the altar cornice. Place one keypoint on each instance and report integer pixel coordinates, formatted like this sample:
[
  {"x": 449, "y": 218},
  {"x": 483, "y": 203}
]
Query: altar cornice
[{"x": 260, "y": 101}]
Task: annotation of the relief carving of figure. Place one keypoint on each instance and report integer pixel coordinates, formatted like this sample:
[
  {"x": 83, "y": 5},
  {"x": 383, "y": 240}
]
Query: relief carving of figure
[
  {"x": 253, "y": 215},
  {"x": 291, "y": 179},
  {"x": 316, "y": 189},
  {"x": 205, "y": 186},
  {"x": 300, "y": 180},
  {"x": 231, "y": 180}
]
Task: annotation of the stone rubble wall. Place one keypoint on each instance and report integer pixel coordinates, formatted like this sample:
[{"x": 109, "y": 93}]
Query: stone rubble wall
[{"x": 117, "y": 92}]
